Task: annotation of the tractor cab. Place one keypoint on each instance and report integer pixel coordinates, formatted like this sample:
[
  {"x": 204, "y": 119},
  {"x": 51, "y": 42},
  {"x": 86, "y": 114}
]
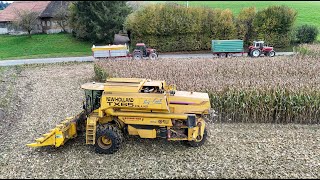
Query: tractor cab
[
  {"x": 142, "y": 47},
  {"x": 141, "y": 51},
  {"x": 258, "y": 44}
]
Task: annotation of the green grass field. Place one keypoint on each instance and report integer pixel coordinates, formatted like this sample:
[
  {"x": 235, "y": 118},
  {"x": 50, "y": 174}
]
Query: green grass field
[{"x": 42, "y": 45}]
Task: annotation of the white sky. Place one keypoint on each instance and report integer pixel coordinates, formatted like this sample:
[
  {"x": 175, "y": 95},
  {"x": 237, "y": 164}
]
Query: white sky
[{"x": 8, "y": 1}]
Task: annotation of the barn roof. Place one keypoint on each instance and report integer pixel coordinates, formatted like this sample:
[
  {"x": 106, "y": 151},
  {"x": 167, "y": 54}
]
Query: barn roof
[
  {"x": 9, "y": 13},
  {"x": 52, "y": 8}
]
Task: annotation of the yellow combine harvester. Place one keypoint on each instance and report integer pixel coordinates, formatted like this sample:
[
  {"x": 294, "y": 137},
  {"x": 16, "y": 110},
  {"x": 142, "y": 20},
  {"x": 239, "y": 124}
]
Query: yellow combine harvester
[{"x": 141, "y": 107}]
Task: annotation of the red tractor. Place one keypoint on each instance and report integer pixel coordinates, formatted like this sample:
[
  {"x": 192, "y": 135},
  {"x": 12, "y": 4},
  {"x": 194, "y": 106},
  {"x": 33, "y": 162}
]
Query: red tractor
[
  {"x": 259, "y": 48},
  {"x": 142, "y": 51}
]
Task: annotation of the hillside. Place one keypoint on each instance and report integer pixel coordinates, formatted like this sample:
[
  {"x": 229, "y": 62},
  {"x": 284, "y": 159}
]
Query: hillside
[{"x": 42, "y": 45}]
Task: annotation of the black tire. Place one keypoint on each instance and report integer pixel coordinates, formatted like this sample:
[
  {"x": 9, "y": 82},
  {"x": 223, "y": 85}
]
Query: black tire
[
  {"x": 153, "y": 56},
  {"x": 137, "y": 56},
  {"x": 255, "y": 53},
  {"x": 200, "y": 143},
  {"x": 222, "y": 55},
  {"x": 271, "y": 53},
  {"x": 113, "y": 135}
]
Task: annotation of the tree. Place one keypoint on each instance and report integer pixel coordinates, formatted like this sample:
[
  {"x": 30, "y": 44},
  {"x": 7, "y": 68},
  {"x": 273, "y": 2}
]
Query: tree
[
  {"x": 246, "y": 30},
  {"x": 3, "y": 5},
  {"x": 26, "y": 20},
  {"x": 62, "y": 18},
  {"x": 307, "y": 33},
  {"x": 274, "y": 25},
  {"x": 98, "y": 21}
]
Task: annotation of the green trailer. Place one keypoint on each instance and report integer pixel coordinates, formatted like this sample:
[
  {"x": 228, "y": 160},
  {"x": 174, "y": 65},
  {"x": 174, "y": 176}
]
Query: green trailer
[{"x": 227, "y": 48}]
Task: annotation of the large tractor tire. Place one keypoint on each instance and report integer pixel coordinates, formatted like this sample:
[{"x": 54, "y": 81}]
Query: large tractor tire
[
  {"x": 271, "y": 53},
  {"x": 255, "y": 53},
  {"x": 198, "y": 142},
  {"x": 137, "y": 56},
  {"x": 108, "y": 139},
  {"x": 153, "y": 56}
]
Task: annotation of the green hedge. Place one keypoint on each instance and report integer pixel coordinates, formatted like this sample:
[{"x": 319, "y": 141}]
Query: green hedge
[{"x": 168, "y": 27}]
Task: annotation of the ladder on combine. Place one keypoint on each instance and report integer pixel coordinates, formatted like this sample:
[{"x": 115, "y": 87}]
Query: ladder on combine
[
  {"x": 91, "y": 128},
  {"x": 64, "y": 131}
]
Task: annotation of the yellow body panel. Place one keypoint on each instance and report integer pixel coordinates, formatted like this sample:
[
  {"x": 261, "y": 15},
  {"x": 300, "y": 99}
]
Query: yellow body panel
[{"x": 163, "y": 122}]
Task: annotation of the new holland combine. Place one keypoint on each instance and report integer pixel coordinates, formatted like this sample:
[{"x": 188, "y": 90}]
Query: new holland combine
[{"x": 140, "y": 107}]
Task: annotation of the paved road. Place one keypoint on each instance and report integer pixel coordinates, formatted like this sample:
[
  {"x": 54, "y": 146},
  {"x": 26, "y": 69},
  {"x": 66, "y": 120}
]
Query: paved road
[{"x": 90, "y": 58}]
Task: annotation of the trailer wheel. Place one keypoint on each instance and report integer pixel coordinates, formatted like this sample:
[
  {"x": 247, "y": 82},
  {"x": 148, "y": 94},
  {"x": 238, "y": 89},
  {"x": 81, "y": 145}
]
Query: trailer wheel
[
  {"x": 200, "y": 141},
  {"x": 271, "y": 53},
  {"x": 108, "y": 139},
  {"x": 229, "y": 55},
  {"x": 222, "y": 55}
]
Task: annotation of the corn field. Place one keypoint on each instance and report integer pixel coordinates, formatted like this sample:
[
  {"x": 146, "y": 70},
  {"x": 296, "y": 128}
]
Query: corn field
[{"x": 264, "y": 90}]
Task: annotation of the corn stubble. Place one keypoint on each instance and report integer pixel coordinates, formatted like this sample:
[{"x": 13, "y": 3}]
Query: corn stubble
[{"x": 242, "y": 89}]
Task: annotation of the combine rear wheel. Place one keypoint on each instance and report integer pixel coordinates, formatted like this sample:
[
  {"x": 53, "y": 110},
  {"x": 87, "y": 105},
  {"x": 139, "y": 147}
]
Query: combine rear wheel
[
  {"x": 108, "y": 139},
  {"x": 200, "y": 140}
]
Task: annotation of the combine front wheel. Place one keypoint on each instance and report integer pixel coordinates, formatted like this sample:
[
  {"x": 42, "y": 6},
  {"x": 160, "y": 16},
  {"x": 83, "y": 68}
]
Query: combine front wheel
[{"x": 108, "y": 139}]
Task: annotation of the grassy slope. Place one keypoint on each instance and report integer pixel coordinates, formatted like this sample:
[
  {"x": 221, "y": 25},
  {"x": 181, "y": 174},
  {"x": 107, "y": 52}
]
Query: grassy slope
[
  {"x": 42, "y": 45},
  {"x": 308, "y": 12}
]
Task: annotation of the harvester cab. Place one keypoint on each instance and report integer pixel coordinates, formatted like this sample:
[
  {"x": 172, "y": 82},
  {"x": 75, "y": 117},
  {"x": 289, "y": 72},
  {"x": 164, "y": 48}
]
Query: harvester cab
[
  {"x": 142, "y": 51},
  {"x": 133, "y": 106},
  {"x": 259, "y": 48}
]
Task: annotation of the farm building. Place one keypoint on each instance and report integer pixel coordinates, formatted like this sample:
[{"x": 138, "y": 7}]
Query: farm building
[{"x": 47, "y": 10}]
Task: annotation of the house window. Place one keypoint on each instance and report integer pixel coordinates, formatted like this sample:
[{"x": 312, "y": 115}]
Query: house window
[
  {"x": 48, "y": 23},
  {"x": 43, "y": 23},
  {"x": 2, "y": 25}
]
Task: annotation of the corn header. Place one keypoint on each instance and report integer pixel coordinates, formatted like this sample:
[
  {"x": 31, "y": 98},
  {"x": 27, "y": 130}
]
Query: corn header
[{"x": 140, "y": 107}]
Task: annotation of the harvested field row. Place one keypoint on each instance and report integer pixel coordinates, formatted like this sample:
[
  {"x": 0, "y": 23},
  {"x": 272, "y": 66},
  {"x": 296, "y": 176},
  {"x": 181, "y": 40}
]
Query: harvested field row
[
  {"x": 198, "y": 74},
  {"x": 280, "y": 90},
  {"x": 46, "y": 95}
]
